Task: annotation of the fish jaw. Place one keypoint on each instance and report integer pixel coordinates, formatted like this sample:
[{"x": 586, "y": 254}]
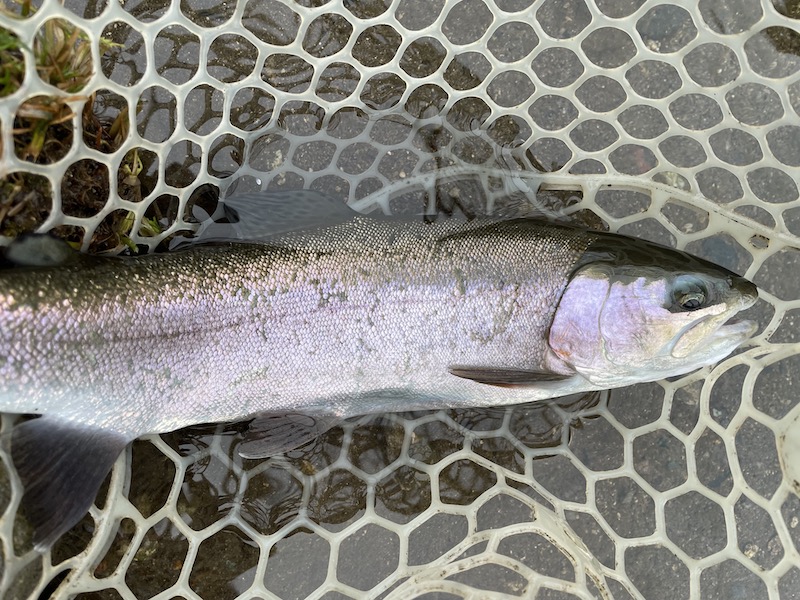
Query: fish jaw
[{"x": 729, "y": 337}]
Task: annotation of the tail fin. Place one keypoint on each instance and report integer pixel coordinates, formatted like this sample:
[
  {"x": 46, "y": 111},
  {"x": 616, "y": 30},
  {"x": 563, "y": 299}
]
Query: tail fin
[{"x": 61, "y": 465}]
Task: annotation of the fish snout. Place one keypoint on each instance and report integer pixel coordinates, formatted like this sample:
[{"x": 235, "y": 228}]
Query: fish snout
[{"x": 746, "y": 289}]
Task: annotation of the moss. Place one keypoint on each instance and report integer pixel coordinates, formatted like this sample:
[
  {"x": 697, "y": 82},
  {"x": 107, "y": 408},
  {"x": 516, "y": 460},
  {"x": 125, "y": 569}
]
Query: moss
[
  {"x": 63, "y": 55},
  {"x": 25, "y": 202},
  {"x": 43, "y": 132},
  {"x": 12, "y": 63}
]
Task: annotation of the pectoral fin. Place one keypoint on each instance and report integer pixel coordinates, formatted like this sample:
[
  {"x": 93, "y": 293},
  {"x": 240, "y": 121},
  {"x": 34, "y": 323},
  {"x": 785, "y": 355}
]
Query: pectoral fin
[
  {"x": 269, "y": 435},
  {"x": 61, "y": 465},
  {"x": 504, "y": 377}
]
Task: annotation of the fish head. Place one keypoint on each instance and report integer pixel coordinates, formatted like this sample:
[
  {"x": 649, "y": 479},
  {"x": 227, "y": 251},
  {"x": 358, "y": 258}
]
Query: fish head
[{"x": 642, "y": 312}]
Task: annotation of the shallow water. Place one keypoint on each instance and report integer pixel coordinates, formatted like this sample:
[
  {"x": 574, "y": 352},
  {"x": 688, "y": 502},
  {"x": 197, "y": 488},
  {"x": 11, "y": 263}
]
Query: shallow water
[{"x": 670, "y": 123}]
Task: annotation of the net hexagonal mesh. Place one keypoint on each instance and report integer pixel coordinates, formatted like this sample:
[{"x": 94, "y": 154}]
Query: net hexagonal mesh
[{"x": 670, "y": 122}]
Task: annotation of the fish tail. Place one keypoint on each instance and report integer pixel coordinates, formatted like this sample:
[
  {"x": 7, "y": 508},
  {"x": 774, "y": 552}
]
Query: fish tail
[{"x": 61, "y": 466}]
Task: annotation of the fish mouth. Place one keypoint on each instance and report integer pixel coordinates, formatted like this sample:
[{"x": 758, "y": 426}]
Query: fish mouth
[
  {"x": 735, "y": 329},
  {"x": 728, "y": 337},
  {"x": 719, "y": 342}
]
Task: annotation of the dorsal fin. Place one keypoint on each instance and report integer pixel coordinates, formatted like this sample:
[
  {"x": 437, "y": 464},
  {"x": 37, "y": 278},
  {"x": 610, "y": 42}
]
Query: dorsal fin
[{"x": 259, "y": 216}]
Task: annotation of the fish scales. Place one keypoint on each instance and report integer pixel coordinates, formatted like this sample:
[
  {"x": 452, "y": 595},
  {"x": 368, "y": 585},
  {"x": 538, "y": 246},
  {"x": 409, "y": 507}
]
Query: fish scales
[{"x": 315, "y": 320}]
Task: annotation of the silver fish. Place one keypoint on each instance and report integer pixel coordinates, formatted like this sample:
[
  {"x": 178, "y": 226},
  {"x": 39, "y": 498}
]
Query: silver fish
[{"x": 302, "y": 326}]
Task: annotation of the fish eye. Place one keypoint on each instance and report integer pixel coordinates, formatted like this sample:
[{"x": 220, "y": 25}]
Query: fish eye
[
  {"x": 689, "y": 293},
  {"x": 692, "y": 300}
]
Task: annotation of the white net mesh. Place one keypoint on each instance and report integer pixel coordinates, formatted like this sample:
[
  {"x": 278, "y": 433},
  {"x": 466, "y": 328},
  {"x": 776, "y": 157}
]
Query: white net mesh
[{"x": 674, "y": 123}]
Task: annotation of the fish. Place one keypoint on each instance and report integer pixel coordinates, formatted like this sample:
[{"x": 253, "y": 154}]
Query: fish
[{"x": 299, "y": 313}]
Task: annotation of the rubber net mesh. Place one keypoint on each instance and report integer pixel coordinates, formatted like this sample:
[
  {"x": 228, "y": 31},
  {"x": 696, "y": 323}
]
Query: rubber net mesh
[{"x": 678, "y": 123}]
